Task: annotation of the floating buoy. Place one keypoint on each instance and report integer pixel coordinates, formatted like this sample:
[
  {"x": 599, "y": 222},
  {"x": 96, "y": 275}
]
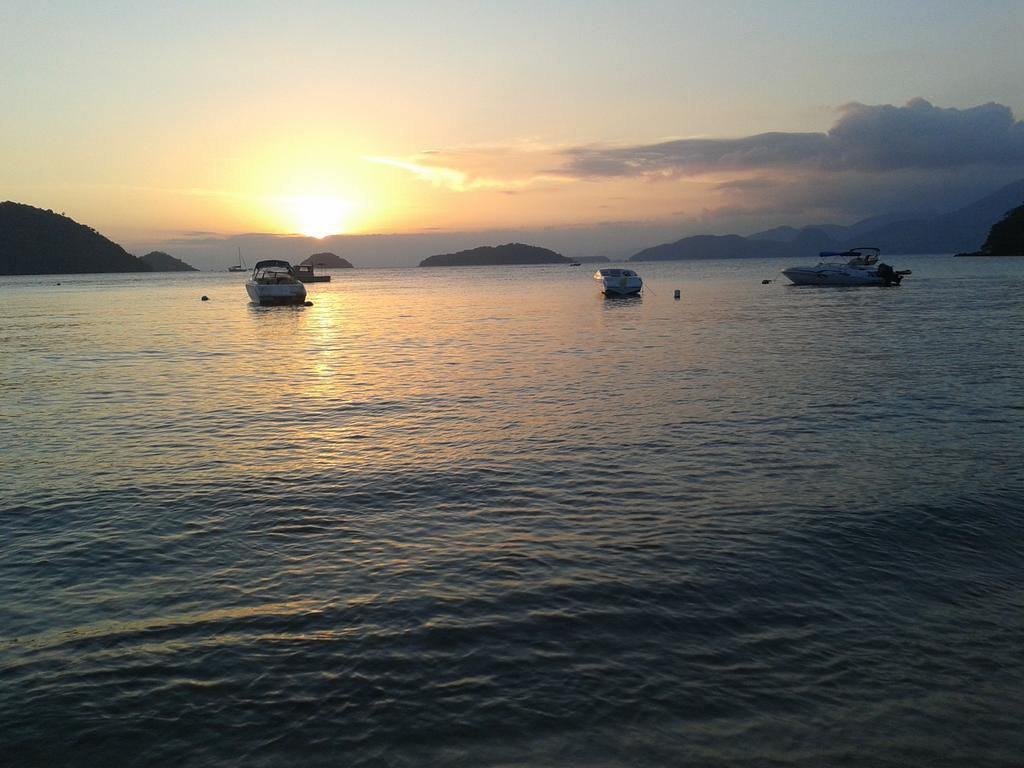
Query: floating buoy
[
  {"x": 206, "y": 298},
  {"x": 677, "y": 293}
]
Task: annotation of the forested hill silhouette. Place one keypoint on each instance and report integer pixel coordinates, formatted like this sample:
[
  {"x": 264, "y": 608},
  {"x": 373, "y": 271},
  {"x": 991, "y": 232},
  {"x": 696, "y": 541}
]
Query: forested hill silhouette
[
  {"x": 715, "y": 247},
  {"x": 947, "y": 232},
  {"x": 486, "y": 255},
  {"x": 894, "y": 233},
  {"x": 34, "y": 241},
  {"x": 327, "y": 259},
  {"x": 1006, "y": 238},
  {"x": 159, "y": 261}
]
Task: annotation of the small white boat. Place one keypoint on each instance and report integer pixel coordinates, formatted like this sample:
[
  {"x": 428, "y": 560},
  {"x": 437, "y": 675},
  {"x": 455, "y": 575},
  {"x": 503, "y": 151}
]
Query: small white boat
[
  {"x": 274, "y": 282},
  {"x": 619, "y": 282},
  {"x": 306, "y": 274},
  {"x": 860, "y": 267}
]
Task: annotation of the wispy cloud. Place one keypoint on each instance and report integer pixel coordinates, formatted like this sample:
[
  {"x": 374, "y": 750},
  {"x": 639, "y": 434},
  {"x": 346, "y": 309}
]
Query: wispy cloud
[
  {"x": 179, "y": 191},
  {"x": 439, "y": 176},
  {"x": 511, "y": 168}
]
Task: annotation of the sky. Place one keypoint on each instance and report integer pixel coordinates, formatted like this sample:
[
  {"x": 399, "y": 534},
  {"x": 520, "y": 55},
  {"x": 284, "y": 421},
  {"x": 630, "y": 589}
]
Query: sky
[{"x": 401, "y": 129}]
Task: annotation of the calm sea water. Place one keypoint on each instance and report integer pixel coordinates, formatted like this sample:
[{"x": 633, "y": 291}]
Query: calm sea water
[{"x": 487, "y": 517}]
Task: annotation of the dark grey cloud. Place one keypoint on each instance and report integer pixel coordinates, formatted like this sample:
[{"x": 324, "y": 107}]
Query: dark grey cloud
[
  {"x": 759, "y": 183},
  {"x": 869, "y": 138}
]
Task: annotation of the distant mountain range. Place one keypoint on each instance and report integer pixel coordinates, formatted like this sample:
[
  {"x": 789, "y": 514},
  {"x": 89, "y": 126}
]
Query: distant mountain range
[
  {"x": 37, "y": 241},
  {"x": 960, "y": 230},
  {"x": 486, "y": 255}
]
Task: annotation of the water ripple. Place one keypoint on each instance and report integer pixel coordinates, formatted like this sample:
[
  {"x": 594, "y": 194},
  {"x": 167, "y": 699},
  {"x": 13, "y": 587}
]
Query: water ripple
[{"x": 496, "y": 526}]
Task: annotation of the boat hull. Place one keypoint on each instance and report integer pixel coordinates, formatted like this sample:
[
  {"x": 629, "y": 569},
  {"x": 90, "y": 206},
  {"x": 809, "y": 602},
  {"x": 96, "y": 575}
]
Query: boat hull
[
  {"x": 284, "y": 293},
  {"x": 832, "y": 277},
  {"x": 622, "y": 286}
]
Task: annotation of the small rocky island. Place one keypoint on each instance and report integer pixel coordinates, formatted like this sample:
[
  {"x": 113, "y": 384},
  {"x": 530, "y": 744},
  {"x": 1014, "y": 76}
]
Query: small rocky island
[
  {"x": 34, "y": 241},
  {"x": 1006, "y": 238},
  {"x": 159, "y": 261},
  {"x": 327, "y": 260},
  {"x": 488, "y": 255}
]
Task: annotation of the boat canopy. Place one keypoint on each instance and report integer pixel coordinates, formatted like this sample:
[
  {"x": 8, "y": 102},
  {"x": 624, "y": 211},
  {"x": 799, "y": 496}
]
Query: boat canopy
[
  {"x": 849, "y": 252},
  {"x": 272, "y": 263}
]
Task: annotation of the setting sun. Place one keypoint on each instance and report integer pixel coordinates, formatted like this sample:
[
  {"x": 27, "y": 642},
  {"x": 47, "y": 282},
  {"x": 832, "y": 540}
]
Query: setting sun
[{"x": 320, "y": 216}]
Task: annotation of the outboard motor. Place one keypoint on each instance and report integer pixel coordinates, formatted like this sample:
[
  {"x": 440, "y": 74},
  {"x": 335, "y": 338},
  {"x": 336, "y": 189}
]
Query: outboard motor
[{"x": 889, "y": 275}]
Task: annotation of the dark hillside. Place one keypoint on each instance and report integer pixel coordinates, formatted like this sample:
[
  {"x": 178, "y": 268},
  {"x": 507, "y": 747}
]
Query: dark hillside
[
  {"x": 486, "y": 255},
  {"x": 328, "y": 260},
  {"x": 159, "y": 261},
  {"x": 38, "y": 242}
]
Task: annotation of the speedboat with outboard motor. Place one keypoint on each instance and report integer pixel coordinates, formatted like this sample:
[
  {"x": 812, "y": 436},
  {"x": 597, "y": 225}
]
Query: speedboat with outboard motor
[
  {"x": 859, "y": 266},
  {"x": 619, "y": 282},
  {"x": 275, "y": 282}
]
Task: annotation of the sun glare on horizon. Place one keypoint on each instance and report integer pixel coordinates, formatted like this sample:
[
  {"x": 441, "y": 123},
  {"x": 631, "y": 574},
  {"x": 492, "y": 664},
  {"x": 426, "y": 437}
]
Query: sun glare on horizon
[{"x": 320, "y": 216}]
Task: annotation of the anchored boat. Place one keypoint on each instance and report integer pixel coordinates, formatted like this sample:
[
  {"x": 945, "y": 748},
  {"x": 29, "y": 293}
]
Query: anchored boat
[
  {"x": 860, "y": 266},
  {"x": 619, "y": 282},
  {"x": 240, "y": 266},
  {"x": 305, "y": 273},
  {"x": 274, "y": 282}
]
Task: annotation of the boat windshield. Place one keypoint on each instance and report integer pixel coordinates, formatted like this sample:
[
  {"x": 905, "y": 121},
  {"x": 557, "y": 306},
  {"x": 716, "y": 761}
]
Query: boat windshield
[
  {"x": 855, "y": 257},
  {"x": 273, "y": 275}
]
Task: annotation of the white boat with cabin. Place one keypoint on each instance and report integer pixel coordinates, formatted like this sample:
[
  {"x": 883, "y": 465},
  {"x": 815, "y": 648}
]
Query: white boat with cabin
[
  {"x": 619, "y": 282},
  {"x": 859, "y": 266},
  {"x": 274, "y": 282},
  {"x": 306, "y": 274}
]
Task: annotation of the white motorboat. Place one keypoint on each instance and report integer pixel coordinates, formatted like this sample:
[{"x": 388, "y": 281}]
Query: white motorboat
[
  {"x": 274, "y": 282},
  {"x": 619, "y": 282},
  {"x": 306, "y": 274},
  {"x": 859, "y": 266}
]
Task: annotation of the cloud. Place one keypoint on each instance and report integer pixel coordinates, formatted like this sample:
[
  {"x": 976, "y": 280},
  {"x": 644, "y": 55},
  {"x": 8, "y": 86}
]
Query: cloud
[
  {"x": 748, "y": 184},
  {"x": 439, "y": 176},
  {"x": 516, "y": 167},
  {"x": 865, "y": 138},
  {"x": 693, "y": 157}
]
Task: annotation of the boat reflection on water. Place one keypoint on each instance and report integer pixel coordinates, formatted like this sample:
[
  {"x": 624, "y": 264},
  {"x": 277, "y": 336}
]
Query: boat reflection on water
[{"x": 621, "y": 301}]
